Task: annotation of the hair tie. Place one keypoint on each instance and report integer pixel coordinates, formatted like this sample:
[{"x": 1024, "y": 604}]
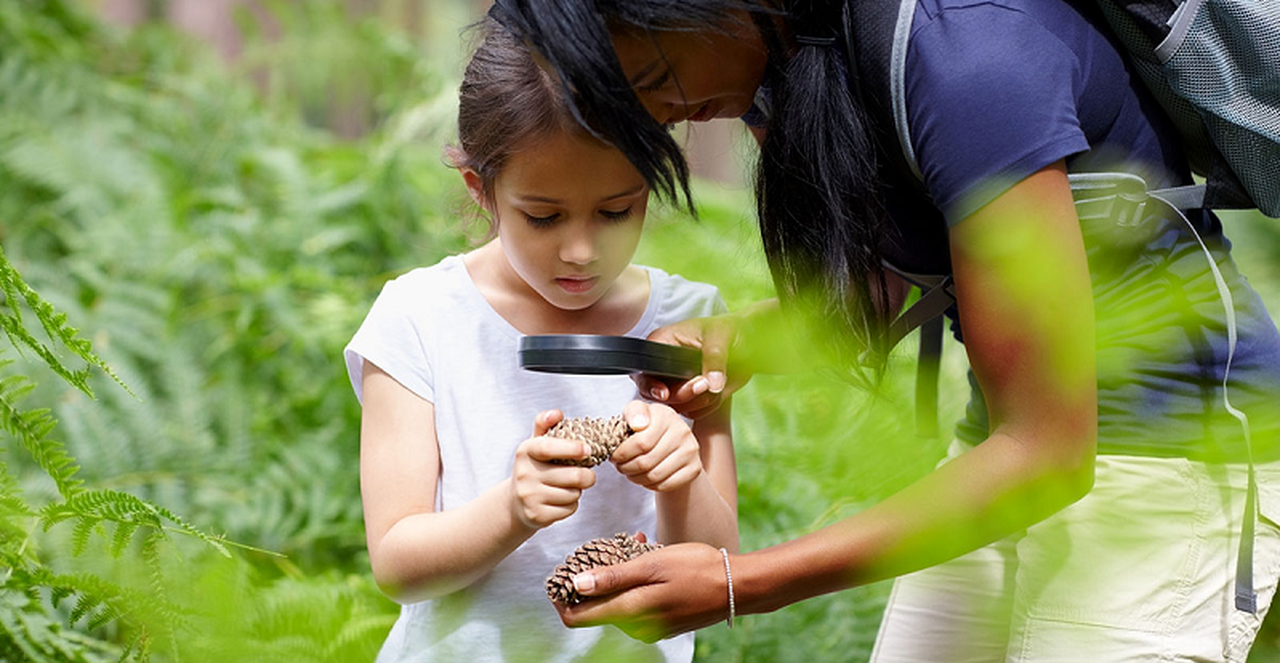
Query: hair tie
[
  {"x": 806, "y": 40},
  {"x": 816, "y": 22}
]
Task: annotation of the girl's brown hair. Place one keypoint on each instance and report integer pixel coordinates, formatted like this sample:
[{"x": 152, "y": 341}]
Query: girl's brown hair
[{"x": 505, "y": 102}]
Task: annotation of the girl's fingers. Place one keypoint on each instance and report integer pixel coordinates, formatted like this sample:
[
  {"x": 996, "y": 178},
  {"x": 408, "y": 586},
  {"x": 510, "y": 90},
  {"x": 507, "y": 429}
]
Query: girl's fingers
[
  {"x": 555, "y": 496},
  {"x": 674, "y": 471},
  {"x": 683, "y": 477},
  {"x": 545, "y": 420},
  {"x": 546, "y": 449},
  {"x": 638, "y": 446},
  {"x": 575, "y": 478}
]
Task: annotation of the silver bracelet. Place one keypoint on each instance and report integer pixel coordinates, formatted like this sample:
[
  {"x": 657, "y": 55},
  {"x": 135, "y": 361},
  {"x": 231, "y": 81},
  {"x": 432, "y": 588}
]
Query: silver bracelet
[{"x": 728, "y": 576}]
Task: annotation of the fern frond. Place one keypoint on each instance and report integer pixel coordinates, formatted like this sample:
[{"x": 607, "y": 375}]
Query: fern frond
[
  {"x": 90, "y": 508},
  {"x": 55, "y": 325},
  {"x": 11, "y": 502},
  {"x": 99, "y": 602},
  {"x": 28, "y": 633},
  {"x": 124, "y": 532},
  {"x": 151, "y": 554},
  {"x": 80, "y": 535},
  {"x": 32, "y": 428}
]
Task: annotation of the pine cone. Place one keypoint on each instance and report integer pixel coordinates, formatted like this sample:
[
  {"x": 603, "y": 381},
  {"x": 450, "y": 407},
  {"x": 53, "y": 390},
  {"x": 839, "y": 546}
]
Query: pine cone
[
  {"x": 593, "y": 554},
  {"x": 602, "y": 435}
]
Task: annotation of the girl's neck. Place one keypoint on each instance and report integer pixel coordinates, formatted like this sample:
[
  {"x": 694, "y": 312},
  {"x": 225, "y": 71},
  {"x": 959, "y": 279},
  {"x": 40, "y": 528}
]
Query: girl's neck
[{"x": 616, "y": 312}]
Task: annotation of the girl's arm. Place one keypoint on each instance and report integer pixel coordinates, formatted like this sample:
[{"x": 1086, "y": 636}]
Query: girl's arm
[
  {"x": 418, "y": 553},
  {"x": 708, "y": 511},
  {"x": 691, "y": 472},
  {"x": 1024, "y": 294}
]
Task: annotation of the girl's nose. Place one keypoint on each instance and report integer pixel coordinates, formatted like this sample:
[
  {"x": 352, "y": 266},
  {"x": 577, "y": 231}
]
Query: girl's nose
[{"x": 578, "y": 248}]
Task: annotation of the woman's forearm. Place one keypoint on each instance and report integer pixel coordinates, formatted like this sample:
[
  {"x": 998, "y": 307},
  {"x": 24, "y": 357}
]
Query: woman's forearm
[
  {"x": 1000, "y": 487},
  {"x": 432, "y": 554}
]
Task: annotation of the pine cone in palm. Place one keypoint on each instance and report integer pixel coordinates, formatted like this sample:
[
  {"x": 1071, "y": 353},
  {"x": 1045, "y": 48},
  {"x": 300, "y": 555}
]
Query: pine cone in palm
[
  {"x": 593, "y": 554},
  {"x": 602, "y": 435}
]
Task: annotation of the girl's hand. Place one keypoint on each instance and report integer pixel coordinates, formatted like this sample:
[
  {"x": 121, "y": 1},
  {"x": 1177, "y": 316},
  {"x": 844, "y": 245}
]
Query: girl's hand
[
  {"x": 700, "y": 395},
  {"x": 671, "y": 590},
  {"x": 662, "y": 455},
  {"x": 543, "y": 493}
]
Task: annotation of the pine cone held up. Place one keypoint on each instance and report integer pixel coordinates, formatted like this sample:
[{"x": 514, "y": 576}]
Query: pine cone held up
[
  {"x": 602, "y": 435},
  {"x": 590, "y": 555}
]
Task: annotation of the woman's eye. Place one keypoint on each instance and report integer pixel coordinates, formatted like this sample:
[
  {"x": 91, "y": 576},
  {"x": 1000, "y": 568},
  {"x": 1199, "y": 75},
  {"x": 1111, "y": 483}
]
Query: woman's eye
[
  {"x": 541, "y": 221},
  {"x": 619, "y": 215},
  {"x": 657, "y": 83}
]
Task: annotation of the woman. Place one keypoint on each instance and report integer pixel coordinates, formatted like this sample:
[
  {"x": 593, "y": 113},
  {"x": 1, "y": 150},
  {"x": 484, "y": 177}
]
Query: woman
[{"x": 1093, "y": 502}]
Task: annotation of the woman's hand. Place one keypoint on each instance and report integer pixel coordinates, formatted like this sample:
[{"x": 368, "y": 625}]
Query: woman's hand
[
  {"x": 671, "y": 590},
  {"x": 701, "y": 395},
  {"x": 662, "y": 455},
  {"x": 541, "y": 492}
]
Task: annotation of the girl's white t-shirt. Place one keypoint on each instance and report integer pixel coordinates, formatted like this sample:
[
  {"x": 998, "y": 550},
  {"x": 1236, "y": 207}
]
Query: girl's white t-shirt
[{"x": 434, "y": 333}]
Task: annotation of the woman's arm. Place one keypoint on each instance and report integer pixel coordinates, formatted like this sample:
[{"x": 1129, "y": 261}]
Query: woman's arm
[
  {"x": 418, "y": 553},
  {"x": 762, "y": 338},
  {"x": 1024, "y": 294}
]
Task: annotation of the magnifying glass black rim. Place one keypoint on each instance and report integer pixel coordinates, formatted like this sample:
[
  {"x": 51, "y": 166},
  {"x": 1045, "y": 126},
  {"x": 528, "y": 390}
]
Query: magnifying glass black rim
[{"x": 591, "y": 354}]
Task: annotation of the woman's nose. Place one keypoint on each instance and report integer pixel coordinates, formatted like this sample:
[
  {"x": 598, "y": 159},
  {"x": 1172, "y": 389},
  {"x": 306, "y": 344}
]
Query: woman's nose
[{"x": 661, "y": 111}]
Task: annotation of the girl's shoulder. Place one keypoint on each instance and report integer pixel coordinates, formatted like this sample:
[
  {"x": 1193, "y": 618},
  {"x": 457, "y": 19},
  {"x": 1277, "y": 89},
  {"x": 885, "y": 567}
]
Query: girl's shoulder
[
  {"x": 674, "y": 298},
  {"x": 435, "y": 283}
]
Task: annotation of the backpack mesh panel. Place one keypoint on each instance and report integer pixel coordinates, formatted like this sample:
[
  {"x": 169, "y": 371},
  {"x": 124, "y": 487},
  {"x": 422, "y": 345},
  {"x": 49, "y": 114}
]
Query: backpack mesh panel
[{"x": 1229, "y": 67}]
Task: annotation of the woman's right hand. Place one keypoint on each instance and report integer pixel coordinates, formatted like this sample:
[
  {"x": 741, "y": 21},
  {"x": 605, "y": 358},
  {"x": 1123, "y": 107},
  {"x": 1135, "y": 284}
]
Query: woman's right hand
[
  {"x": 700, "y": 395},
  {"x": 541, "y": 491}
]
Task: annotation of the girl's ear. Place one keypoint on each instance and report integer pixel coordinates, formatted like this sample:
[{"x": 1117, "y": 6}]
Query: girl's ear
[{"x": 475, "y": 187}]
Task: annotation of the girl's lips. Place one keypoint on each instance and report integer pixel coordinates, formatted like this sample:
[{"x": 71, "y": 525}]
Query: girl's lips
[{"x": 577, "y": 285}]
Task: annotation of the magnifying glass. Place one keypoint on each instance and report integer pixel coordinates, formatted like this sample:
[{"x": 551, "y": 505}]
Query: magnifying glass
[{"x": 590, "y": 354}]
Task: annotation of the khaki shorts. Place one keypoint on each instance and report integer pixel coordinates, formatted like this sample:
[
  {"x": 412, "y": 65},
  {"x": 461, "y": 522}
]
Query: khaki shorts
[{"x": 1140, "y": 569}]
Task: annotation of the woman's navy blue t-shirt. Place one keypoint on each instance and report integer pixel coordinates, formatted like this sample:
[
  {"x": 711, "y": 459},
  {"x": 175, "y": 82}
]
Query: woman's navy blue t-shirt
[{"x": 999, "y": 89}]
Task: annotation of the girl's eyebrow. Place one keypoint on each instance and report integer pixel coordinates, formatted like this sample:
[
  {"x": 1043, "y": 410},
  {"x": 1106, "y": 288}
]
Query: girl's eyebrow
[{"x": 534, "y": 198}]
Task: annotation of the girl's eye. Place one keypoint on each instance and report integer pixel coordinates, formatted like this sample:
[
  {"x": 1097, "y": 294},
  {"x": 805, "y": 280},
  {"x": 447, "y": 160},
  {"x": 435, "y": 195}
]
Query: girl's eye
[
  {"x": 541, "y": 221},
  {"x": 619, "y": 216}
]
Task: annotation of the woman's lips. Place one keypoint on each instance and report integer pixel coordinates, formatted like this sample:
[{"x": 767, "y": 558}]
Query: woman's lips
[
  {"x": 577, "y": 285},
  {"x": 704, "y": 113}
]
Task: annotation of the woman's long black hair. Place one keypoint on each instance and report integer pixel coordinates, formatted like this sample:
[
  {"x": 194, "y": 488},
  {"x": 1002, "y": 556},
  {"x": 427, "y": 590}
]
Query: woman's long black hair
[{"x": 821, "y": 219}]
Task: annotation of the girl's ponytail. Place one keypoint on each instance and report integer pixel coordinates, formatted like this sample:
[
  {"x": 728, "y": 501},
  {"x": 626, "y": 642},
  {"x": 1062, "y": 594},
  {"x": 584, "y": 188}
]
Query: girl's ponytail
[{"x": 821, "y": 218}]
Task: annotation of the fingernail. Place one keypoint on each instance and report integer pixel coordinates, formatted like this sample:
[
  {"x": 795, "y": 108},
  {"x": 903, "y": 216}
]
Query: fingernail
[
  {"x": 639, "y": 421},
  {"x": 700, "y": 385},
  {"x": 584, "y": 582},
  {"x": 586, "y": 452},
  {"x": 659, "y": 393},
  {"x": 716, "y": 380}
]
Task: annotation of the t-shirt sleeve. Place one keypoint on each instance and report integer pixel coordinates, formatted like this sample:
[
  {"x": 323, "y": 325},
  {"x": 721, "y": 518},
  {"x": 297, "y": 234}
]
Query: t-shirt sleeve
[
  {"x": 394, "y": 337},
  {"x": 991, "y": 99},
  {"x": 683, "y": 299}
]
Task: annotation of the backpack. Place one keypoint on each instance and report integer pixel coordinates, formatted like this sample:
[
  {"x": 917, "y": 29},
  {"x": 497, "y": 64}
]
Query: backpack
[{"x": 1214, "y": 68}]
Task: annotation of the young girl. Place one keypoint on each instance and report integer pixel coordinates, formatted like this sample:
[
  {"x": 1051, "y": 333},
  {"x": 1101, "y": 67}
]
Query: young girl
[{"x": 466, "y": 514}]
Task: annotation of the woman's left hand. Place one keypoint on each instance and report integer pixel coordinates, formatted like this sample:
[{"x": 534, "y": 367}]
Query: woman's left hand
[{"x": 671, "y": 590}]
